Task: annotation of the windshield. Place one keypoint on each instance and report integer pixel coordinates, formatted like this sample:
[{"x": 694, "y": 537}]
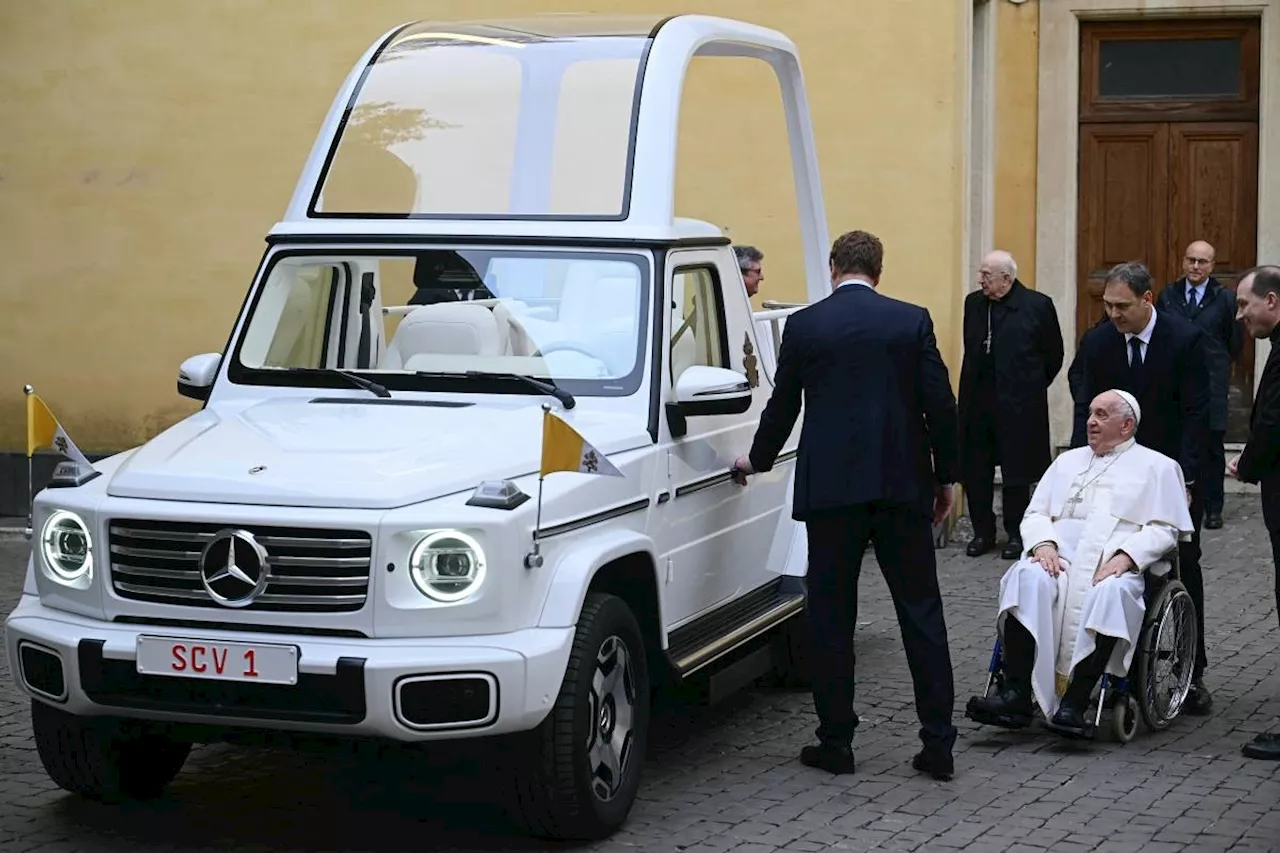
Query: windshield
[
  {"x": 489, "y": 122},
  {"x": 430, "y": 319}
]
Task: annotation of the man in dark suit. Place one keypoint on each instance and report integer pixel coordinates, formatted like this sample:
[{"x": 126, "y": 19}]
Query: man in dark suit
[
  {"x": 876, "y": 464},
  {"x": 1012, "y": 352},
  {"x": 1159, "y": 358},
  {"x": 1201, "y": 299},
  {"x": 1258, "y": 305}
]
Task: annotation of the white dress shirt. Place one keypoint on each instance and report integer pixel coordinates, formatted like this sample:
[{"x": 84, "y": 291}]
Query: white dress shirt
[
  {"x": 1144, "y": 336},
  {"x": 1195, "y": 292}
]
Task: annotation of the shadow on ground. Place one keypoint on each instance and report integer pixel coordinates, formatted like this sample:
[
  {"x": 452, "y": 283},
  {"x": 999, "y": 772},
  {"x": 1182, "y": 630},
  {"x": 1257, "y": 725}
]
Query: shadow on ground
[{"x": 327, "y": 796}]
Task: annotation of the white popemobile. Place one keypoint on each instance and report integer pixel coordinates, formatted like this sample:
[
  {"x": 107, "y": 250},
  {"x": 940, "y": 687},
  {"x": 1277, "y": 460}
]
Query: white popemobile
[{"x": 347, "y": 539}]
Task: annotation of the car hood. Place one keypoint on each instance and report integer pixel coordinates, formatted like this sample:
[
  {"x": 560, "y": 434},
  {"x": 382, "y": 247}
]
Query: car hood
[{"x": 354, "y": 454}]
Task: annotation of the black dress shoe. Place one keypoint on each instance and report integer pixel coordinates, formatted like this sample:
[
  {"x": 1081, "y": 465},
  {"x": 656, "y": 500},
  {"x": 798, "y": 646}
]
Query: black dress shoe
[
  {"x": 1265, "y": 746},
  {"x": 1010, "y": 708},
  {"x": 1070, "y": 721},
  {"x": 979, "y": 545},
  {"x": 1012, "y": 550},
  {"x": 940, "y": 765},
  {"x": 833, "y": 759},
  {"x": 1199, "y": 701},
  {"x": 1213, "y": 521}
]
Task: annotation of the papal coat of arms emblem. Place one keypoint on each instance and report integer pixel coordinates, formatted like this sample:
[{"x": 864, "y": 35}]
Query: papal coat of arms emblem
[{"x": 749, "y": 360}]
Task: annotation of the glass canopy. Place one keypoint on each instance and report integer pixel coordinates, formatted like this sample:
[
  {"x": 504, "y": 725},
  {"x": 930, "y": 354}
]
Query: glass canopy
[{"x": 518, "y": 120}]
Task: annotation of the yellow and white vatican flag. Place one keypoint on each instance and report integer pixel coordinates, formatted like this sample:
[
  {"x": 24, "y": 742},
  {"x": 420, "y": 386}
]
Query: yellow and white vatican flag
[
  {"x": 563, "y": 449},
  {"x": 43, "y": 430}
]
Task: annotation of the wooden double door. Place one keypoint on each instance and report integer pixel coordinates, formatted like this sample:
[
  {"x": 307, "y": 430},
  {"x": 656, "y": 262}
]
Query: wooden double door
[{"x": 1169, "y": 155}]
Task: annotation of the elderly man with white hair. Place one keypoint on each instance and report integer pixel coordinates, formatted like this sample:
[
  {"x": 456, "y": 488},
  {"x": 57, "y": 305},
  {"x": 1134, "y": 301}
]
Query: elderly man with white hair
[
  {"x": 1073, "y": 606},
  {"x": 1012, "y": 352}
]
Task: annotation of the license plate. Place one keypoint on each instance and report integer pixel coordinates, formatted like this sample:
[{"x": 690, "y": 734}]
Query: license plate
[{"x": 246, "y": 662}]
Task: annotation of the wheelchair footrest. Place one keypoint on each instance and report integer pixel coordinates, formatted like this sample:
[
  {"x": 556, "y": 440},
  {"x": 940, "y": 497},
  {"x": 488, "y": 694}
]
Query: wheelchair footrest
[
  {"x": 1070, "y": 732},
  {"x": 987, "y": 717}
]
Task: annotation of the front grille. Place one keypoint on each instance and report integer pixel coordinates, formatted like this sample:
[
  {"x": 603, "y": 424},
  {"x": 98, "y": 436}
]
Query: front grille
[{"x": 308, "y": 570}]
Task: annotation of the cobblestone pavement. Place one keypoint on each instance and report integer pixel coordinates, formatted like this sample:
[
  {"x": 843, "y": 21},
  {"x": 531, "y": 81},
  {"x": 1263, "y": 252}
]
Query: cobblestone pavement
[{"x": 727, "y": 778}]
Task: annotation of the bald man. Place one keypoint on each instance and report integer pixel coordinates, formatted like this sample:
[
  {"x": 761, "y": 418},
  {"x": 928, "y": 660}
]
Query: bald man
[
  {"x": 1201, "y": 299},
  {"x": 1012, "y": 351}
]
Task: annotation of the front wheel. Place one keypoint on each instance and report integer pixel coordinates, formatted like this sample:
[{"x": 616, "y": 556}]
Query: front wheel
[
  {"x": 103, "y": 759},
  {"x": 583, "y": 763}
]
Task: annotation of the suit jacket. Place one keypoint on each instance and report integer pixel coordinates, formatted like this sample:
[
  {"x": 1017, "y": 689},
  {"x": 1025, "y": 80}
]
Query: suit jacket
[
  {"x": 1172, "y": 388},
  {"x": 1026, "y": 355},
  {"x": 1075, "y": 371},
  {"x": 1260, "y": 459},
  {"x": 1224, "y": 336},
  {"x": 880, "y": 417}
]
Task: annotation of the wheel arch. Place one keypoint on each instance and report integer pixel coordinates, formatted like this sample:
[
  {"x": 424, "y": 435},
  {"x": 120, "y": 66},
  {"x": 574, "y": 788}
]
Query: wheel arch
[{"x": 619, "y": 563}]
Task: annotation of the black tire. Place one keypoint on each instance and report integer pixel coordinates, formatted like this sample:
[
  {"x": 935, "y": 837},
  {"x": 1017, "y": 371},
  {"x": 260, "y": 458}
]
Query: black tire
[
  {"x": 101, "y": 759},
  {"x": 1173, "y": 606},
  {"x": 558, "y": 795}
]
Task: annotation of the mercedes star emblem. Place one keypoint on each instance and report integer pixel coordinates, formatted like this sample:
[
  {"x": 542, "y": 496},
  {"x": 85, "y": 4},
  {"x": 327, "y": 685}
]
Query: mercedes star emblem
[{"x": 233, "y": 568}]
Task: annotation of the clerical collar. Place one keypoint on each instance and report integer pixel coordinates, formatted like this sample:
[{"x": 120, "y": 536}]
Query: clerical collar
[
  {"x": 1004, "y": 297},
  {"x": 1119, "y": 448}
]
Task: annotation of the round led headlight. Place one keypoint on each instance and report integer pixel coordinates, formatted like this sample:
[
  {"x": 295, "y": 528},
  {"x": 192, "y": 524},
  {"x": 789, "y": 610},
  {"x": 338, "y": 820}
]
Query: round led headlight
[
  {"x": 447, "y": 565},
  {"x": 66, "y": 547}
]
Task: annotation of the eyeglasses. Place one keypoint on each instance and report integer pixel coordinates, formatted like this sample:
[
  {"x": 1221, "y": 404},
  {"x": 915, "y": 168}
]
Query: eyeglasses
[{"x": 1198, "y": 261}]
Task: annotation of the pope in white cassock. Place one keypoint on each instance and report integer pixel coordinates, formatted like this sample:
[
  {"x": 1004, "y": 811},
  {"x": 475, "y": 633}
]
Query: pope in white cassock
[{"x": 1073, "y": 606}]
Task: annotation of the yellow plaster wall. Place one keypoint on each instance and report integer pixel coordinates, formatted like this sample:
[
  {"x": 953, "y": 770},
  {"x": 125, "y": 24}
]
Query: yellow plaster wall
[
  {"x": 1016, "y": 92},
  {"x": 149, "y": 144}
]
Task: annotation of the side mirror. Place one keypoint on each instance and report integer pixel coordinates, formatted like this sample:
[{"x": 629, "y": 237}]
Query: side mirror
[
  {"x": 703, "y": 391},
  {"x": 196, "y": 375}
]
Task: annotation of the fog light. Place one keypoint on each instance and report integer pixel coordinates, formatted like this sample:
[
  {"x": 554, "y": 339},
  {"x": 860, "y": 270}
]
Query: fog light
[{"x": 42, "y": 671}]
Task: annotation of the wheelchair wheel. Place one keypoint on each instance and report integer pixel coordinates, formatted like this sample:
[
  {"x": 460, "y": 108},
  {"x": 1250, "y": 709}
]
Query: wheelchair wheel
[
  {"x": 1124, "y": 718},
  {"x": 1166, "y": 656}
]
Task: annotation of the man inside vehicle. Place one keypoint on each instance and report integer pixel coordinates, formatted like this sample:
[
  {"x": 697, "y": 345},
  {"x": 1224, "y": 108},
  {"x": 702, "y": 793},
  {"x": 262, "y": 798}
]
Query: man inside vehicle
[{"x": 1073, "y": 606}]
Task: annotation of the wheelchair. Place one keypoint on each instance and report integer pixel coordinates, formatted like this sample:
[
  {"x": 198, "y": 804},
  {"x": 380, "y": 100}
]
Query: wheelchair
[{"x": 1159, "y": 678}]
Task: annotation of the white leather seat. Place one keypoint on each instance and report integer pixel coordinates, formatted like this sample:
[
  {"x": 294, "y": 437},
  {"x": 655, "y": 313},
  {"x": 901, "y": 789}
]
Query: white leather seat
[
  {"x": 452, "y": 328},
  {"x": 301, "y": 326},
  {"x": 512, "y": 333},
  {"x": 599, "y": 295}
]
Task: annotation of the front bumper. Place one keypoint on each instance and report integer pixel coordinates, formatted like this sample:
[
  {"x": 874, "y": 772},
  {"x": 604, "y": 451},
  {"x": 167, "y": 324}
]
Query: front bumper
[{"x": 348, "y": 686}]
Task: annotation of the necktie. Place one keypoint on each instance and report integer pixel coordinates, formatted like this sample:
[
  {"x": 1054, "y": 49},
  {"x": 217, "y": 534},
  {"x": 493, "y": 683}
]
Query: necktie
[{"x": 1135, "y": 354}]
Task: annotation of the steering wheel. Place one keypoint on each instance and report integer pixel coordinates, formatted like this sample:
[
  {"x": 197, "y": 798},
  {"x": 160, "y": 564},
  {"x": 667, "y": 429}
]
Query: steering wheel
[{"x": 565, "y": 346}]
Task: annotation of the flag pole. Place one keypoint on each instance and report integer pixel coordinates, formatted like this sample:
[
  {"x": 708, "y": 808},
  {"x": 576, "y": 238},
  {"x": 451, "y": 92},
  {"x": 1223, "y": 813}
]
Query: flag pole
[
  {"x": 533, "y": 559},
  {"x": 27, "y": 391}
]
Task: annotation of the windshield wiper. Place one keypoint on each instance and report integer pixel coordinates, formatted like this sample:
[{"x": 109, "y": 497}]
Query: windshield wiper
[
  {"x": 545, "y": 387},
  {"x": 367, "y": 384}
]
